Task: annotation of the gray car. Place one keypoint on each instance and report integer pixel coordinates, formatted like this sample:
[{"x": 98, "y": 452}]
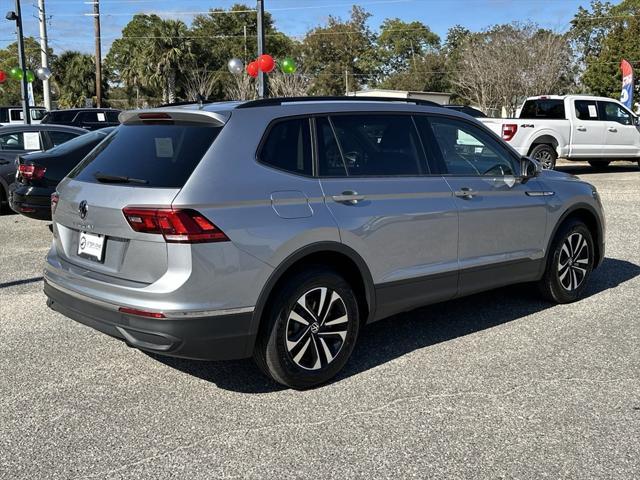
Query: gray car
[{"x": 278, "y": 228}]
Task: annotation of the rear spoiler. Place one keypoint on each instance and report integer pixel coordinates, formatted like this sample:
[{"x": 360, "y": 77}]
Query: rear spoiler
[{"x": 139, "y": 117}]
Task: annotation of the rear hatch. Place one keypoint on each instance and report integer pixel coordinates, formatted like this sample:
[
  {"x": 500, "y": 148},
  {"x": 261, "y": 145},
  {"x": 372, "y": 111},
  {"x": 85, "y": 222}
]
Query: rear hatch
[{"x": 144, "y": 163}]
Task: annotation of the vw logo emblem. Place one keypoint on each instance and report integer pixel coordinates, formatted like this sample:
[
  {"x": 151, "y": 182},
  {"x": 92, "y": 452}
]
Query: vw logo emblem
[{"x": 83, "y": 208}]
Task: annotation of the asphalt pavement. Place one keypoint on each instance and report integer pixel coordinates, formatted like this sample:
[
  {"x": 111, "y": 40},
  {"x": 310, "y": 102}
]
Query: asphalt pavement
[{"x": 498, "y": 385}]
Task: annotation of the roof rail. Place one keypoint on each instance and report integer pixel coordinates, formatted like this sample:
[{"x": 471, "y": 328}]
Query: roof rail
[{"x": 270, "y": 102}]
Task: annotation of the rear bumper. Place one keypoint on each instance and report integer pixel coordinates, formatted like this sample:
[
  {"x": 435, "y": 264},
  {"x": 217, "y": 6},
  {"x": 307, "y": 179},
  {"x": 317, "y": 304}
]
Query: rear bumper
[
  {"x": 31, "y": 202},
  {"x": 226, "y": 336}
]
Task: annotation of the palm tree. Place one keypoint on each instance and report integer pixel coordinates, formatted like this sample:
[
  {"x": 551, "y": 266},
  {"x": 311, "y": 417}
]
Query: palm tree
[
  {"x": 169, "y": 50},
  {"x": 75, "y": 78}
]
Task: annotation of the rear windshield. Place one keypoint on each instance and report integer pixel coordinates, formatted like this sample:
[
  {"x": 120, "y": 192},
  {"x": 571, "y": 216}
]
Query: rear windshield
[
  {"x": 552, "y": 109},
  {"x": 163, "y": 156}
]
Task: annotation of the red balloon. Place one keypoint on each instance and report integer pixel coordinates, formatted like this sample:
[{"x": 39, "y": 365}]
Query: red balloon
[
  {"x": 266, "y": 63},
  {"x": 3, "y": 76},
  {"x": 252, "y": 69}
]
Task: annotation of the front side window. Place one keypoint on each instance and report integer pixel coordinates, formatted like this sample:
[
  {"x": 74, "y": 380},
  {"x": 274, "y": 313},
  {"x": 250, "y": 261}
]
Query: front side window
[
  {"x": 467, "y": 150},
  {"x": 586, "y": 110},
  {"x": 615, "y": 113},
  {"x": 369, "y": 145},
  {"x": 288, "y": 147}
]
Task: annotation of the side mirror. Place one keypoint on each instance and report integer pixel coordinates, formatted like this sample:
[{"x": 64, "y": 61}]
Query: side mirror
[
  {"x": 529, "y": 168},
  {"x": 636, "y": 121}
]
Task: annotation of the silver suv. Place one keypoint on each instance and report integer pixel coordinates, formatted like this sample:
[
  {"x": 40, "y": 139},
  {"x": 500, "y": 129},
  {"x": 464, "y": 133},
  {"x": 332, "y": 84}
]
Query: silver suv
[{"x": 278, "y": 228}]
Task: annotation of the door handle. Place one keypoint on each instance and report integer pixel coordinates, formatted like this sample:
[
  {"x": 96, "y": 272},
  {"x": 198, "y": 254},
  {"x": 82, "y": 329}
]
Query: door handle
[
  {"x": 5, "y": 162},
  {"x": 612, "y": 129},
  {"x": 349, "y": 197},
  {"x": 580, "y": 128},
  {"x": 465, "y": 192}
]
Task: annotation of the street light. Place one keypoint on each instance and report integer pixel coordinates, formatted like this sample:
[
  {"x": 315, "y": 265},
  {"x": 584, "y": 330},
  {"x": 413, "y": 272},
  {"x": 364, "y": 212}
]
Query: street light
[{"x": 16, "y": 16}]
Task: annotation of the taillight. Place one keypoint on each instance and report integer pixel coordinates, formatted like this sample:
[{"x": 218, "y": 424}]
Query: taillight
[
  {"x": 175, "y": 225},
  {"x": 31, "y": 171},
  {"x": 55, "y": 197},
  {"x": 508, "y": 131}
]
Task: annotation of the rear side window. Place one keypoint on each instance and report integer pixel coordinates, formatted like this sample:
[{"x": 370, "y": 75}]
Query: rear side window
[
  {"x": 586, "y": 110},
  {"x": 551, "y": 109},
  {"x": 163, "y": 156},
  {"x": 112, "y": 117},
  {"x": 370, "y": 145},
  {"x": 58, "y": 138},
  {"x": 29, "y": 141},
  {"x": 61, "y": 116},
  {"x": 288, "y": 147}
]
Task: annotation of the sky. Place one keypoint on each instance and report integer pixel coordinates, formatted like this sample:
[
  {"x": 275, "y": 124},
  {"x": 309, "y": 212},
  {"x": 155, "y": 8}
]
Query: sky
[{"x": 69, "y": 27}]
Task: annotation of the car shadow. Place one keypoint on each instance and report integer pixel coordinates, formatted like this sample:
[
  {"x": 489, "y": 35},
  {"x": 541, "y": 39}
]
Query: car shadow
[
  {"x": 583, "y": 168},
  {"x": 396, "y": 336}
]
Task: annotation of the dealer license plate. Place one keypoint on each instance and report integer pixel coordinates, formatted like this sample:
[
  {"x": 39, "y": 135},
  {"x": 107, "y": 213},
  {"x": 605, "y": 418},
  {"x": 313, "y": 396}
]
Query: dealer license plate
[{"x": 91, "y": 246}]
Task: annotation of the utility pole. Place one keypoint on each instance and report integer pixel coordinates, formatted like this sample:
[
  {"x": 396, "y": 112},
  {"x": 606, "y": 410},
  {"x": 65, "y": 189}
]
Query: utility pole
[
  {"x": 17, "y": 17},
  {"x": 96, "y": 26},
  {"x": 44, "y": 53},
  {"x": 262, "y": 84}
]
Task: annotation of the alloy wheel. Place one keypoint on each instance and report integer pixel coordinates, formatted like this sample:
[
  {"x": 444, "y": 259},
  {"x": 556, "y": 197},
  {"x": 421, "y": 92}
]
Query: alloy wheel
[
  {"x": 316, "y": 328},
  {"x": 545, "y": 159},
  {"x": 573, "y": 261}
]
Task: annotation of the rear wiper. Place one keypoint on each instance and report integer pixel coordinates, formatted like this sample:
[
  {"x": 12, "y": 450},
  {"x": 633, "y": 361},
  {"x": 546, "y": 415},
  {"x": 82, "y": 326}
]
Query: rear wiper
[{"x": 106, "y": 178}]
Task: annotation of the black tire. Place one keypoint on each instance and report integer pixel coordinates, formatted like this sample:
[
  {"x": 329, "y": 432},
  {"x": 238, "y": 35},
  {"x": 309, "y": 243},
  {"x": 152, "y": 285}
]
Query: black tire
[
  {"x": 599, "y": 164},
  {"x": 546, "y": 155},
  {"x": 566, "y": 284},
  {"x": 4, "y": 202},
  {"x": 287, "y": 350}
]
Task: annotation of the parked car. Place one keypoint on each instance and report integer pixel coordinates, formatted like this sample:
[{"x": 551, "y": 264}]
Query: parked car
[
  {"x": 278, "y": 228},
  {"x": 14, "y": 115},
  {"x": 576, "y": 127},
  {"x": 473, "y": 112},
  {"x": 18, "y": 140},
  {"x": 87, "y": 118},
  {"x": 39, "y": 173}
]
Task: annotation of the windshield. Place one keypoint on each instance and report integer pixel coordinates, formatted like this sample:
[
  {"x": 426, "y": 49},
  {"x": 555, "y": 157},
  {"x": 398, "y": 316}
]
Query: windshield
[{"x": 81, "y": 141}]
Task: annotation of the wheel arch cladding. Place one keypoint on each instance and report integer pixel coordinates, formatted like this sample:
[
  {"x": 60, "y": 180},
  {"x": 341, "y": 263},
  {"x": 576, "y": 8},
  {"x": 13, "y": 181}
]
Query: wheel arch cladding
[
  {"x": 344, "y": 260},
  {"x": 585, "y": 214},
  {"x": 544, "y": 140}
]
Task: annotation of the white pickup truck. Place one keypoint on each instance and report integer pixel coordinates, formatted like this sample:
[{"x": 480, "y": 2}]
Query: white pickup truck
[{"x": 575, "y": 127}]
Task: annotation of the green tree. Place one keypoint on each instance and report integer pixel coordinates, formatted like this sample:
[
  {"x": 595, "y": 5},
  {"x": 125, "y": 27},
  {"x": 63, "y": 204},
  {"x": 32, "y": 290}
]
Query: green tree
[
  {"x": 75, "y": 79},
  {"x": 10, "y": 90},
  {"x": 169, "y": 51},
  {"x": 128, "y": 60},
  {"x": 401, "y": 45},
  {"x": 218, "y": 37},
  {"x": 602, "y": 37},
  {"x": 341, "y": 49}
]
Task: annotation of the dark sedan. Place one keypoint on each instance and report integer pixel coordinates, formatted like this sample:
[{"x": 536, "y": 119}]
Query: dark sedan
[
  {"x": 18, "y": 140},
  {"x": 39, "y": 173}
]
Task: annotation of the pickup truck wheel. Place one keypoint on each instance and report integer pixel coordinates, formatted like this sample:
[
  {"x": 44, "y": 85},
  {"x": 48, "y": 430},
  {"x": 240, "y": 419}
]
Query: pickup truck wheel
[
  {"x": 569, "y": 263},
  {"x": 599, "y": 164},
  {"x": 546, "y": 155}
]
